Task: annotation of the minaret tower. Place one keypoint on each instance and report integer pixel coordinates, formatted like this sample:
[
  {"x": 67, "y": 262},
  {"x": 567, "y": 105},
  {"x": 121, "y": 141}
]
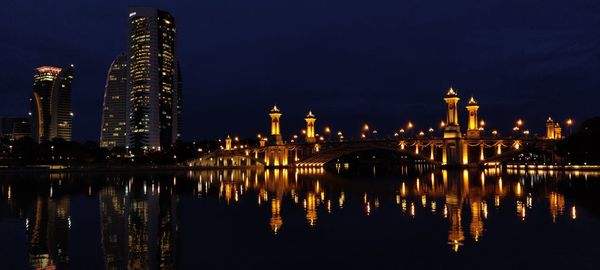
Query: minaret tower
[
  {"x": 228, "y": 143},
  {"x": 310, "y": 127},
  {"x": 550, "y": 129},
  {"x": 473, "y": 130},
  {"x": 452, "y": 127},
  {"x": 275, "y": 114}
]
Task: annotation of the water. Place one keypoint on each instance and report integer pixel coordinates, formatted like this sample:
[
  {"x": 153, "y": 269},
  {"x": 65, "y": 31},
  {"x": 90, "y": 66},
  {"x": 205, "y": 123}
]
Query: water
[{"x": 300, "y": 219}]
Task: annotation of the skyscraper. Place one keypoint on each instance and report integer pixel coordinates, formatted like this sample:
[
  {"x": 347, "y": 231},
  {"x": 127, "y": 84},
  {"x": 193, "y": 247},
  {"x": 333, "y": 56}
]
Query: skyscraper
[
  {"x": 153, "y": 85},
  {"x": 114, "y": 109},
  {"x": 51, "y": 113}
]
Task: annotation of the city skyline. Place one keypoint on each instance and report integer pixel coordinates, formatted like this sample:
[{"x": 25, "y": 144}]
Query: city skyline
[{"x": 237, "y": 80}]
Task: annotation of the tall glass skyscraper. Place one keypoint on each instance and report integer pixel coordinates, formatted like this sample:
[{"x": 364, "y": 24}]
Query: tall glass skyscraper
[
  {"x": 114, "y": 109},
  {"x": 51, "y": 112},
  {"x": 153, "y": 85}
]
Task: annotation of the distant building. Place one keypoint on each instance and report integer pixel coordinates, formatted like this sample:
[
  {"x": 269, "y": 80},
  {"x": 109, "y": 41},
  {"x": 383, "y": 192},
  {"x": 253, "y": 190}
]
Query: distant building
[
  {"x": 154, "y": 81},
  {"x": 114, "y": 108},
  {"x": 14, "y": 127},
  {"x": 51, "y": 113}
]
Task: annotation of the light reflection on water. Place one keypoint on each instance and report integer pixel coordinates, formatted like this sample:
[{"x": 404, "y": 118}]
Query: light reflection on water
[{"x": 139, "y": 215}]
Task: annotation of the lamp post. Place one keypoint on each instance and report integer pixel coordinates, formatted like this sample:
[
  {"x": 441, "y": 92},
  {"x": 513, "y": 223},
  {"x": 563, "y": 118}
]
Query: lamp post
[{"x": 570, "y": 123}]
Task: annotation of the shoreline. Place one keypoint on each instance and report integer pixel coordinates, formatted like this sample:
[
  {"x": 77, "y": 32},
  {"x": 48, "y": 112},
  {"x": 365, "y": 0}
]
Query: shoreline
[{"x": 173, "y": 168}]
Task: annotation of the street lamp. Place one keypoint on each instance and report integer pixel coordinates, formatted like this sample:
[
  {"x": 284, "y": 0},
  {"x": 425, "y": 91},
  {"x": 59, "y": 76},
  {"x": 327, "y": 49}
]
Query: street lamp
[{"x": 570, "y": 123}]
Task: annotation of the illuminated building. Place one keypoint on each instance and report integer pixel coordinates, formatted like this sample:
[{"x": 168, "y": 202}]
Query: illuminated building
[
  {"x": 553, "y": 130},
  {"x": 451, "y": 151},
  {"x": 51, "y": 114},
  {"x": 452, "y": 129},
  {"x": 228, "y": 143},
  {"x": 114, "y": 109},
  {"x": 14, "y": 127},
  {"x": 473, "y": 127},
  {"x": 154, "y": 80},
  {"x": 275, "y": 114},
  {"x": 310, "y": 127}
]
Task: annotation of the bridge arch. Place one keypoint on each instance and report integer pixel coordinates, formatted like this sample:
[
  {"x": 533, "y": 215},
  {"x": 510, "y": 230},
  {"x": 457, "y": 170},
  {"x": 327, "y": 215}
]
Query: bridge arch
[
  {"x": 324, "y": 157},
  {"x": 219, "y": 159}
]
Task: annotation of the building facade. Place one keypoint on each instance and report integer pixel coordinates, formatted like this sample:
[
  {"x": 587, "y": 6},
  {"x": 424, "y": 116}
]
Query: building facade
[
  {"x": 51, "y": 111},
  {"x": 154, "y": 80},
  {"x": 14, "y": 127},
  {"x": 114, "y": 108}
]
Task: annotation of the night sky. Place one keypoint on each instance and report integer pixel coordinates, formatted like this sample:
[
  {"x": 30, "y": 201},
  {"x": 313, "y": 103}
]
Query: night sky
[{"x": 380, "y": 62}]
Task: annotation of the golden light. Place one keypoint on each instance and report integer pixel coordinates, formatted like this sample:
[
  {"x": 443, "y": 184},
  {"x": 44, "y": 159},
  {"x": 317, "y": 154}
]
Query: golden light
[
  {"x": 569, "y": 122},
  {"x": 431, "y": 129},
  {"x": 421, "y": 133},
  {"x": 482, "y": 123},
  {"x": 401, "y": 130},
  {"x": 363, "y": 136},
  {"x": 237, "y": 139},
  {"x": 303, "y": 132},
  {"x": 519, "y": 122},
  {"x": 259, "y": 136},
  {"x": 495, "y": 132},
  {"x": 442, "y": 124},
  {"x": 327, "y": 130},
  {"x": 366, "y": 127},
  {"x": 409, "y": 125}
]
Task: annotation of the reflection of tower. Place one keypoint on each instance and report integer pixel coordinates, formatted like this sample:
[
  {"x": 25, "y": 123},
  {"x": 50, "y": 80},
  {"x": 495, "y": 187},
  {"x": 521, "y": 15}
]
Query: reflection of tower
[
  {"x": 311, "y": 208},
  {"x": 310, "y": 127},
  {"x": 275, "y": 114},
  {"x": 454, "y": 206},
  {"x": 276, "y": 221},
  {"x": 113, "y": 217},
  {"x": 476, "y": 220},
  {"x": 473, "y": 130},
  {"x": 557, "y": 205},
  {"x": 49, "y": 233}
]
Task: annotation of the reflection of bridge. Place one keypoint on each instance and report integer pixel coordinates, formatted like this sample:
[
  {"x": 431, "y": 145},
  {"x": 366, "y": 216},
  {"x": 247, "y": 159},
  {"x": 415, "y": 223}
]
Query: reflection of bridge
[{"x": 451, "y": 148}]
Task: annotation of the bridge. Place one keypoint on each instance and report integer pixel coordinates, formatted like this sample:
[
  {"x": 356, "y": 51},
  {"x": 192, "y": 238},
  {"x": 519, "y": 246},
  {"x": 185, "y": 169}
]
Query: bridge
[{"x": 451, "y": 148}]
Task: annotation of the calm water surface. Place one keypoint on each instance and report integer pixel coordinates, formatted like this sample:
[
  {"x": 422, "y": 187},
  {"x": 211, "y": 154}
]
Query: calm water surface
[{"x": 310, "y": 219}]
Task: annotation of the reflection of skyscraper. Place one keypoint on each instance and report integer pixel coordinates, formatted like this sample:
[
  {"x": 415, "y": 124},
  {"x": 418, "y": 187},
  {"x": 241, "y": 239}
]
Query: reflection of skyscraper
[
  {"x": 154, "y": 81},
  {"x": 114, "y": 108},
  {"x": 113, "y": 223},
  {"x": 48, "y": 231},
  {"x": 152, "y": 228},
  {"x": 51, "y": 114}
]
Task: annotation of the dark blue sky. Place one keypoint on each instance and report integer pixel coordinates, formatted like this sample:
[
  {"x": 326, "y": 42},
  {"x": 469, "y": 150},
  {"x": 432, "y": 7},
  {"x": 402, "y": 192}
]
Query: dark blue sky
[{"x": 351, "y": 61}]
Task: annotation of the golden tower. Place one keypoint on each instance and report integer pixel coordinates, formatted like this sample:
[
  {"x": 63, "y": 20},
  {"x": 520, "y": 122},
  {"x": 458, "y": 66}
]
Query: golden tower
[
  {"x": 550, "y": 126},
  {"x": 452, "y": 127},
  {"x": 228, "y": 143},
  {"x": 310, "y": 127},
  {"x": 275, "y": 114},
  {"x": 473, "y": 129}
]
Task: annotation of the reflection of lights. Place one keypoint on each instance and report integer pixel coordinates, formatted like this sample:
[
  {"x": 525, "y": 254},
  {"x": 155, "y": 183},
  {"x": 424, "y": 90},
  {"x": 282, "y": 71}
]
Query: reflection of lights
[{"x": 573, "y": 212}]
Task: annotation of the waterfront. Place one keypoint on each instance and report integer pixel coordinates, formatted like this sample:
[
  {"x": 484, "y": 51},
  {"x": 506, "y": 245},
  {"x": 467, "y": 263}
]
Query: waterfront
[{"x": 306, "y": 218}]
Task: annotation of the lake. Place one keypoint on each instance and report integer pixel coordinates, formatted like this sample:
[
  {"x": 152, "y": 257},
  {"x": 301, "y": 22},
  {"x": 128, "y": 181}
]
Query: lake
[{"x": 305, "y": 218}]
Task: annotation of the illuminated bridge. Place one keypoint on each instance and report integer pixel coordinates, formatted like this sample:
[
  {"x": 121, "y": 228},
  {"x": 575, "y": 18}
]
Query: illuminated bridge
[{"x": 452, "y": 148}]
